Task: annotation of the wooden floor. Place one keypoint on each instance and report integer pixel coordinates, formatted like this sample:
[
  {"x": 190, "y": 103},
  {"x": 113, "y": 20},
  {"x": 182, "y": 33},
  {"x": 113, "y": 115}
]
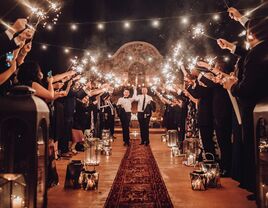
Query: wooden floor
[{"x": 175, "y": 175}]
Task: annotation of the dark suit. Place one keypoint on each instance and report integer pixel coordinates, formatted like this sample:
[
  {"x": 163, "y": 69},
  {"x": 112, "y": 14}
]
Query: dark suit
[
  {"x": 144, "y": 121},
  {"x": 204, "y": 116},
  {"x": 6, "y": 45},
  {"x": 125, "y": 118},
  {"x": 249, "y": 90},
  {"x": 222, "y": 115}
]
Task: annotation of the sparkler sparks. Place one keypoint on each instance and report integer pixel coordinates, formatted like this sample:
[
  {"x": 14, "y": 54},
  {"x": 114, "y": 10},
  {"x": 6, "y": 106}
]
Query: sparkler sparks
[{"x": 198, "y": 31}]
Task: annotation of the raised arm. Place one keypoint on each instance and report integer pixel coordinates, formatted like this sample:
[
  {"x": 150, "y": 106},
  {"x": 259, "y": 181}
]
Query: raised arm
[
  {"x": 42, "y": 92},
  {"x": 134, "y": 96},
  {"x": 62, "y": 76}
]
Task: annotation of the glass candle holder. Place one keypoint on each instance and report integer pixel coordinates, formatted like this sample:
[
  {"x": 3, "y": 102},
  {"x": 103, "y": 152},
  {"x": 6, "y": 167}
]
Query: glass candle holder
[
  {"x": 198, "y": 181},
  {"x": 92, "y": 153},
  {"x": 12, "y": 190},
  {"x": 172, "y": 140}
]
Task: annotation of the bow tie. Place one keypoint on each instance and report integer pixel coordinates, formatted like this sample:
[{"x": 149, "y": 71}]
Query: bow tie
[{"x": 125, "y": 97}]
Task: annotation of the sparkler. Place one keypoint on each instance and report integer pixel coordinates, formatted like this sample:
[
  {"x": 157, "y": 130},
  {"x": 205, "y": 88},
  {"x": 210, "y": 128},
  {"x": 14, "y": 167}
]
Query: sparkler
[
  {"x": 41, "y": 14},
  {"x": 226, "y": 4},
  {"x": 199, "y": 30}
]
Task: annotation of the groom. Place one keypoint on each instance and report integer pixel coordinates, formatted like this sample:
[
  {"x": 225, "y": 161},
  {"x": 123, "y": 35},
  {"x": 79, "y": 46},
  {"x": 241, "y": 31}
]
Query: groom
[
  {"x": 145, "y": 108},
  {"x": 124, "y": 112}
]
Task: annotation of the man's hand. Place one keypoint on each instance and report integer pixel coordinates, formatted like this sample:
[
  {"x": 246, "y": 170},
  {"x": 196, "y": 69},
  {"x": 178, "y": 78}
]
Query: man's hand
[
  {"x": 228, "y": 82},
  {"x": 235, "y": 14},
  {"x": 19, "y": 25},
  {"x": 26, "y": 35},
  {"x": 224, "y": 44}
]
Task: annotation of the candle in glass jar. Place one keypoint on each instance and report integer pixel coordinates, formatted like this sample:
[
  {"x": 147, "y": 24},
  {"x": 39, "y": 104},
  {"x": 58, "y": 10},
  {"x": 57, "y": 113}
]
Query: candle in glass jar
[{"x": 190, "y": 160}]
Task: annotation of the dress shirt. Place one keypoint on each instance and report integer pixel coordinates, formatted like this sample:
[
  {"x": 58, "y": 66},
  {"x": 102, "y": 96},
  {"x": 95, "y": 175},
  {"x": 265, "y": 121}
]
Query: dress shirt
[
  {"x": 140, "y": 99},
  {"x": 126, "y": 103}
]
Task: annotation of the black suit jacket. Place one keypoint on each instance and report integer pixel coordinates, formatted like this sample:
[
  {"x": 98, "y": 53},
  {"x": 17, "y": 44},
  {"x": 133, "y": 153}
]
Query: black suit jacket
[
  {"x": 151, "y": 107},
  {"x": 254, "y": 83},
  {"x": 222, "y": 106},
  {"x": 6, "y": 45},
  {"x": 204, "y": 94}
]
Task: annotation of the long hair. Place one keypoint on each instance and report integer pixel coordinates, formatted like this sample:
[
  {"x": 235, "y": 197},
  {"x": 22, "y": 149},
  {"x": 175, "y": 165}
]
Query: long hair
[{"x": 29, "y": 72}]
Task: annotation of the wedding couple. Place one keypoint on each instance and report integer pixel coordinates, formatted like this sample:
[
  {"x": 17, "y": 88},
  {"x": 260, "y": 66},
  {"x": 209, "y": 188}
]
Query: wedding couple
[{"x": 145, "y": 107}]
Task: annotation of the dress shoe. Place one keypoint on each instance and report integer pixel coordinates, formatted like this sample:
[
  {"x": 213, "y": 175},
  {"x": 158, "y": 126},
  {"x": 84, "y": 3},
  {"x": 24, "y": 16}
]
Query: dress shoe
[{"x": 147, "y": 143}]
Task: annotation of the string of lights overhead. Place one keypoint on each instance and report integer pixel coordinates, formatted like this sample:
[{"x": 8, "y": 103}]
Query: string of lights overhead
[{"x": 154, "y": 22}]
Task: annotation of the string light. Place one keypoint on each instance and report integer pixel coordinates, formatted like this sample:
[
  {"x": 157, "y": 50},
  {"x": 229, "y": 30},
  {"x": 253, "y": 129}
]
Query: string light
[
  {"x": 155, "y": 23},
  {"x": 216, "y": 17},
  {"x": 73, "y": 27},
  {"x": 185, "y": 20},
  {"x": 100, "y": 26},
  {"x": 66, "y": 50},
  {"x": 127, "y": 25},
  {"x": 44, "y": 47}
]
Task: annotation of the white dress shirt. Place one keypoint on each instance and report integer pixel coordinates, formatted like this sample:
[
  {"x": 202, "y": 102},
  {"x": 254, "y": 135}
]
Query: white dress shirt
[
  {"x": 126, "y": 102},
  {"x": 140, "y": 99}
]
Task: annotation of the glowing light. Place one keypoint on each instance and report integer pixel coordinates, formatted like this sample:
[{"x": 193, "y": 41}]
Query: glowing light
[
  {"x": 100, "y": 26},
  {"x": 66, "y": 50},
  {"x": 73, "y": 27},
  {"x": 243, "y": 33},
  {"x": 198, "y": 31},
  {"x": 216, "y": 17},
  {"x": 226, "y": 59},
  {"x": 130, "y": 58},
  {"x": 247, "y": 44},
  {"x": 248, "y": 13},
  {"x": 150, "y": 59},
  {"x": 155, "y": 23},
  {"x": 185, "y": 20},
  {"x": 83, "y": 80},
  {"x": 44, "y": 47},
  {"x": 49, "y": 27},
  {"x": 79, "y": 69},
  {"x": 109, "y": 55},
  {"x": 210, "y": 60},
  {"x": 127, "y": 25}
]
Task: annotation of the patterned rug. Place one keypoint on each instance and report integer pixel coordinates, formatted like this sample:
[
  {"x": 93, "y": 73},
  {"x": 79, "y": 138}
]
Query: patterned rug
[{"x": 138, "y": 182}]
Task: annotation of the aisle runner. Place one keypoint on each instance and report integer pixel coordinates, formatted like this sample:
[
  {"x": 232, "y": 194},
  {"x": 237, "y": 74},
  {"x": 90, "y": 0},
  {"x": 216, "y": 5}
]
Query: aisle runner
[{"x": 138, "y": 182}]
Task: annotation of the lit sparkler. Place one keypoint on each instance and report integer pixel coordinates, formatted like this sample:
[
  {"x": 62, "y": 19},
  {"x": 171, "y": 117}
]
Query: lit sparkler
[{"x": 199, "y": 30}]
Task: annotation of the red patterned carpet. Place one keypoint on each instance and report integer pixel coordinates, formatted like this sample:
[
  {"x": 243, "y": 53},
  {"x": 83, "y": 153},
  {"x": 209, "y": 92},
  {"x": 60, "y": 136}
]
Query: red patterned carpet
[{"x": 138, "y": 182}]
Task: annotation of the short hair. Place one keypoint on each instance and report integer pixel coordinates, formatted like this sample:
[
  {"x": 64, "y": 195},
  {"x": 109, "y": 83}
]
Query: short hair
[{"x": 259, "y": 28}]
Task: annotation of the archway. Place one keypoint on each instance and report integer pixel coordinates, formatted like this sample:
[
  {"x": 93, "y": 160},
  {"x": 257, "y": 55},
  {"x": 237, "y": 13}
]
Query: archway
[{"x": 142, "y": 57}]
